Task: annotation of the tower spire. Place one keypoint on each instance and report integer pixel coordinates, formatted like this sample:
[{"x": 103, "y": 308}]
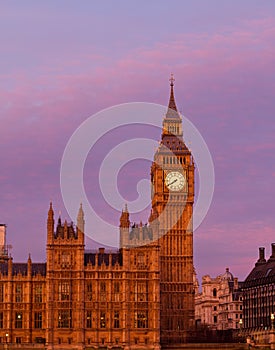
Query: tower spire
[{"x": 172, "y": 111}]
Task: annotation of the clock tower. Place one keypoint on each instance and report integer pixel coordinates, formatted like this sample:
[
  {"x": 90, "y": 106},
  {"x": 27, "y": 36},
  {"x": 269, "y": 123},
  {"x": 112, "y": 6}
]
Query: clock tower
[{"x": 172, "y": 176}]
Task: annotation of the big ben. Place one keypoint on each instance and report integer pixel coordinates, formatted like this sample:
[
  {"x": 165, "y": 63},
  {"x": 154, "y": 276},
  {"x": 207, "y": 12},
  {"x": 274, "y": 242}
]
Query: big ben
[{"x": 172, "y": 176}]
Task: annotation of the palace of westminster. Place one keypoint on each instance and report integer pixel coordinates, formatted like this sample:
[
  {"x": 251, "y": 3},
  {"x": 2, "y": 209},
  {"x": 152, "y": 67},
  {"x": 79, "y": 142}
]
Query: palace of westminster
[{"x": 143, "y": 295}]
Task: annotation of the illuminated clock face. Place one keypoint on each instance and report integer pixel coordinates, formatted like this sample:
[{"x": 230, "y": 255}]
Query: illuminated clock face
[{"x": 175, "y": 181}]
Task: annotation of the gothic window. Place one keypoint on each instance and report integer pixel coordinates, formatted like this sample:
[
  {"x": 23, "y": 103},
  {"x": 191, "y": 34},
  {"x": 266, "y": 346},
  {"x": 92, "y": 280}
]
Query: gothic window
[
  {"x": 140, "y": 261},
  {"x": 141, "y": 291},
  {"x": 64, "y": 319},
  {"x": 116, "y": 319},
  {"x": 18, "y": 319},
  {"x": 102, "y": 286},
  {"x": 65, "y": 259},
  {"x": 89, "y": 291},
  {"x": 1, "y": 319},
  {"x": 1, "y": 292},
  {"x": 38, "y": 319},
  {"x": 141, "y": 319},
  {"x": 18, "y": 293},
  {"x": 64, "y": 291},
  {"x": 102, "y": 291},
  {"x": 88, "y": 319},
  {"x": 38, "y": 293},
  {"x": 102, "y": 319},
  {"x": 116, "y": 291}
]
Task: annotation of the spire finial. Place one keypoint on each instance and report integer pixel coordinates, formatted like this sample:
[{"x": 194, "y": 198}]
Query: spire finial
[
  {"x": 172, "y": 108},
  {"x": 172, "y": 79}
]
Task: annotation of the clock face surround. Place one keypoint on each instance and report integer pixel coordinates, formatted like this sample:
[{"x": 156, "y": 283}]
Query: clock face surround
[{"x": 175, "y": 181}]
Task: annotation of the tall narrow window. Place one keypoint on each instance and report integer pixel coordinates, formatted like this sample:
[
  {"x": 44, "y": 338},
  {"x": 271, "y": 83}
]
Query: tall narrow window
[
  {"x": 89, "y": 290},
  {"x": 1, "y": 319},
  {"x": 102, "y": 291},
  {"x": 102, "y": 320},
  {"x": 116, "y": 291},
  {"x": 1, "y": 292},
  {"x": 18, "y": 293},
  {"x": 38, "y": 319},
  {"x": 88, "y": 319},
  {"x": 38, "y": 293},
  {"x": 18, "y": 319},
  {"x": 116, "y": 319}
]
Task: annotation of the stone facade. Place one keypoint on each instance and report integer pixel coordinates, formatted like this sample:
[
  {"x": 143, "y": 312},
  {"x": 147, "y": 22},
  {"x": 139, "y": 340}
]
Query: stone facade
[
  {"x": 219, "y": 305},
  {"x": 140, "y": 296}
]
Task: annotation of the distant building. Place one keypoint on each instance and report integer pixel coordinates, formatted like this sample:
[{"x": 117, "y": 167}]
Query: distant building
[
  {"x": 259, "y": 292},
  {"x": 219, "y": 305}
]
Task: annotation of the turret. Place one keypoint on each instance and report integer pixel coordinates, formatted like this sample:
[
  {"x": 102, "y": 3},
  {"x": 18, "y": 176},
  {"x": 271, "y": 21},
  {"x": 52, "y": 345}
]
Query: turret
[
  {"x": 80, "y": 223},
  {"x": 50, "y": 225},
  {"x": 124, "y": 227},
  {"x": 29, "y": 266}
]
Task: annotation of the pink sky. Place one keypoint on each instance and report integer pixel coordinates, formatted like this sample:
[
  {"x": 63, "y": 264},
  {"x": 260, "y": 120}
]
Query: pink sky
[{"x": 61, "y": 63}]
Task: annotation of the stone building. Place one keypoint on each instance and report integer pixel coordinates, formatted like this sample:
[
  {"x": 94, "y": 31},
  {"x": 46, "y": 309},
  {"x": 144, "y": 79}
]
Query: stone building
[
  {"x": 141, "y": 295},
  {"x": 219, "y": 305},
  {"x": 259, "y": 293}
]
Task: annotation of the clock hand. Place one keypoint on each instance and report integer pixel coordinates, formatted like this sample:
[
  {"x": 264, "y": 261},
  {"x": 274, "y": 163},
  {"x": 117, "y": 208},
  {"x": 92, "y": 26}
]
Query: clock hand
[{"x": 171, "y": 183}]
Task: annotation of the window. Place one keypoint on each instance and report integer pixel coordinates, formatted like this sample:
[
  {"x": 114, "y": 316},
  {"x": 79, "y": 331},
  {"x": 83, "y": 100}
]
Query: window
[
  {"x": 18, "y": 319},
  {"x": 64, "y": 291},
  {"x": 64, "y": 319},
  {"x": 38, "y": 293},
  {"x": 102, "y": 286},
  {"x": 141, "y": 319},
  {"x": 88, "y": 319},
  {"x": 141, "y": 291},
  {"x": 116, "y": 319},
  {"x": 18, "y": 293},
  {"x": 215, "y": 319},
  {"x": 116, "y": 291},
  {"x": 38, "y": 319},
  {"x": 116, "y": 287},
  {"x": 102, "y": 320},
  {"x": 70, "y": 340},
  {"x": 18, "y": 340},
  {"x": 89, "y": 291},
  {"x": 1, "y": 292},
  {"x": 214, "y": 292},
  {"x": 65, "y": 259},
  {"x": 237, "y": 316},
  {"x": 215, "y": 308},
  {"x": 241, "y": 307},
  {"x": 102, "y": 291},
  {"x": 1, "y": 319}
]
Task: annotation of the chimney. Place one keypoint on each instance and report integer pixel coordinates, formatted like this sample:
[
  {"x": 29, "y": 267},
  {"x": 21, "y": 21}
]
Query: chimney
[
  {"x": 272, "y": 257},
  {"x": 101, "y": 250},
  {"x": 261, "y": 259}
]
